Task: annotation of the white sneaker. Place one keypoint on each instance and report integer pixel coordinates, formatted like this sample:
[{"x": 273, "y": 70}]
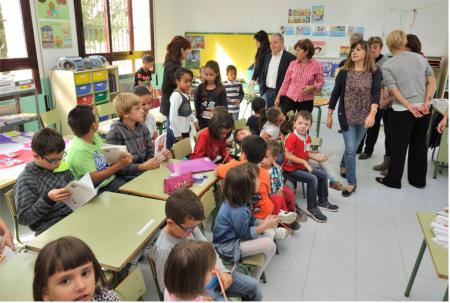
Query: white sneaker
[
  {"x": 287, "y": 217},
  {"x": 281, "y": 233}
]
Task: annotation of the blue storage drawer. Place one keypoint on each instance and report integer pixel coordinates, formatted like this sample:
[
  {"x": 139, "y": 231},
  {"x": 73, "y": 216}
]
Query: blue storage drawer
[
  {"x": 99, "y": 86},
  {"x": 83, "y": 89}
]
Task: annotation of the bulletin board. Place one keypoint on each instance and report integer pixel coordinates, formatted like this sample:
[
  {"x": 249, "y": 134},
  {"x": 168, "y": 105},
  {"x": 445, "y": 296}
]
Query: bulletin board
[{"x": 238, "y": 49}]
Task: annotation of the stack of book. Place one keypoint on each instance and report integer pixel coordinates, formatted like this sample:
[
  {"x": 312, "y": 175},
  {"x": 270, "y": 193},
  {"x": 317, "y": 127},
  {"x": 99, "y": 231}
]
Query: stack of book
[{"x": 439, "y": 227}]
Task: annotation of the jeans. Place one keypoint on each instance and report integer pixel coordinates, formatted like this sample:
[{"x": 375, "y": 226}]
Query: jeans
[
  {"x": 269, "y": 96},
  {"x": 352, "y": 138},
  {"x": 114, "y": 185},
  {"x": 316, "y": 185},
  {"x": 244, "y": 286}
]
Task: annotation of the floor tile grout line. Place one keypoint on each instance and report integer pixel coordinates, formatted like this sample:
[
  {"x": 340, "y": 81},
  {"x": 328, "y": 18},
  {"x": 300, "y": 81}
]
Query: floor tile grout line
[{"x": 310, "y": 257}]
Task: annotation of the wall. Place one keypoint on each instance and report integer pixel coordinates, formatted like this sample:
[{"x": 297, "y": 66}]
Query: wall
[{"x": 174, "y": 17}]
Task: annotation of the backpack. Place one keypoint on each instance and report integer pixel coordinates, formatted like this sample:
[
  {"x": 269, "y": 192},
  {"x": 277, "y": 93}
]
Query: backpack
[{"x": 185, "y": 107}]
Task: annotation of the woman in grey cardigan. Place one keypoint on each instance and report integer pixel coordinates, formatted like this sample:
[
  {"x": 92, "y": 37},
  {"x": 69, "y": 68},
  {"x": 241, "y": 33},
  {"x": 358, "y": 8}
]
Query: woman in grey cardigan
[{"x": 410, "y": 79}]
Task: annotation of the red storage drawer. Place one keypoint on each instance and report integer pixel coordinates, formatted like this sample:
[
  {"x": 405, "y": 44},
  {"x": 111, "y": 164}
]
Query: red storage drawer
[{"x": 85, "y": 100}]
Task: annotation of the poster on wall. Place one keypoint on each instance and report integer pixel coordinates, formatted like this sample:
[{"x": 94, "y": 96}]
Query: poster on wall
[
  {"x": 344, "y": 50},
  {"x": 318, "y": 12},
  {"x": 290, "y": 30},
  {"x": 197, "y": 42},
  {"x": 319, "y": 48},
  {"x": 319, "y": 31},
  {"x": 337, "y": 31},
  {"x": 299, "y": 15},
  {"x": 52, "y": 9},
  {"x": 193, "y": 59},
  {"x": 55, "y": 34},
  {"x": 303, "y": 30},
  {"x": 354, "y": 29}
]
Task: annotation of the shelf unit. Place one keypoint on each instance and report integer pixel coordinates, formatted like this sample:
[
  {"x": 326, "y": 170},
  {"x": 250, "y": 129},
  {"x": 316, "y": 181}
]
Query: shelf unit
[
  {"x": 92, "y": 86},
  {"x": 29, "y": 117}
]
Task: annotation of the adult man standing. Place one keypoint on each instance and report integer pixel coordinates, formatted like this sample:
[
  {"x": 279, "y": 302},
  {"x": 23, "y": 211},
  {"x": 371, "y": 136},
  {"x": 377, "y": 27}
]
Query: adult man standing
[{"x": 274, "y": 69}]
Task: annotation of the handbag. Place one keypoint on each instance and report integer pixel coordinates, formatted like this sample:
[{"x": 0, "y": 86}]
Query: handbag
[
  {"x": 185, "y": 107},
  {"x": 180, "y": 181}
]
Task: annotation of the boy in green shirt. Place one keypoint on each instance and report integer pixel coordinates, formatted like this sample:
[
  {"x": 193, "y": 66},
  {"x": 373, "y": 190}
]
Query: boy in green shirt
[{"x": 85, "y": 153}]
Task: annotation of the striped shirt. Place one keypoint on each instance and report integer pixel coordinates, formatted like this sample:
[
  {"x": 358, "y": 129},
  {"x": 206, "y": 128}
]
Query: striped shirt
[
  {"x": 298, "y": 77},
  {"x": 235, "y": 92}
]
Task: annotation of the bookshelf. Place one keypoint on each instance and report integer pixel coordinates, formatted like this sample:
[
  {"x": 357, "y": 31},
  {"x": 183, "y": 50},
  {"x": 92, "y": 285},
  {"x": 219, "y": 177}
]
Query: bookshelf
[
  {"x": 93, "y": 87},
  {"x": 19, "y": 118}
]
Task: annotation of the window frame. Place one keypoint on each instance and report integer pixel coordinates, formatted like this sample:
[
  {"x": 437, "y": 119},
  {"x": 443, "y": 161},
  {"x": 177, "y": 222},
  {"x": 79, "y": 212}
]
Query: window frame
[
  {"x": 29, "y": 62},
  {"x": 115, "y": 56}
]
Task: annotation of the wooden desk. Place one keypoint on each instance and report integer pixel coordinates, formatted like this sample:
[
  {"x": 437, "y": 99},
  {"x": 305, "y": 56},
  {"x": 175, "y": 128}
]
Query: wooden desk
[
  {"x": 320, "y": 101},
  {"x": 439, "y": 255},
  {"x": 150, "y": 183},
  {"x": 16, "y": 278},
  {"x": 113, "y": 225}
]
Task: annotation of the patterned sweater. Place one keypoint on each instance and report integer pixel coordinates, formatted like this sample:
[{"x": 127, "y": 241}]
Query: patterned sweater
[{"x": 34, "y": 208}]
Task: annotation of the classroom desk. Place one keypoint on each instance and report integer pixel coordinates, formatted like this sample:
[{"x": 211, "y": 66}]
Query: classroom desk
[
  {"x": 16, "y": 278},
  {"x": 320, "y": 101},
  {"x": 439, "y": 255},
  {"x": 150, "y": 183},
  {"x": 115, "y": 226}
]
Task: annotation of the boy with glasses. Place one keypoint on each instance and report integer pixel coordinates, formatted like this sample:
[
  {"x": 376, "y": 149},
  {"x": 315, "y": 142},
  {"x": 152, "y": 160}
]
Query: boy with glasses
[
  {"x": 40, "y": 188},
  {"x": 184, "y": 213}
]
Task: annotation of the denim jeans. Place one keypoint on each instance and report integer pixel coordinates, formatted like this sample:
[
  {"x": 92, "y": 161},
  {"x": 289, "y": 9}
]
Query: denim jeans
[
  {"x": 244, "y": 286},
  {"x": 269, "y": 96},
  {"x": 352, "y": 138},
  {"x": 316, "y": 185}
]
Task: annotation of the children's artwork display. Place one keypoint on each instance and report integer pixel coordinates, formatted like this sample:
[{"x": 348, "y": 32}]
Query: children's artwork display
[
  {"x": 318, "y": 12},
  {"x": 344, "y": 50},
  {"x": 193, "y": 59},
  {"x": 319, "y": 31},
  {"x": 52, "y": 9},
  {"x": 54, "y": 23},
  {"x": 290, "y": 30},
  {"x": 327, "y": 87},
  {"x": 299, "y": 15},
  {"x": 354, "y": 29},
  {"x": 303, "y": 30},
  {"x": 337, "y": 31},
  {"x": 319, "y": 48},
  {"x": 197, "y": 42}
]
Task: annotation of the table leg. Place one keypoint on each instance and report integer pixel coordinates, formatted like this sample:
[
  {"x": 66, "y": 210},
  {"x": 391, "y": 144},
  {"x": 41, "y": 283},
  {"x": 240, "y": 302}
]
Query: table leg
[
  {"x": 416, "y": 267},
  {"x": 319, "y": 115},
  {"x": 445, "y": 295}
]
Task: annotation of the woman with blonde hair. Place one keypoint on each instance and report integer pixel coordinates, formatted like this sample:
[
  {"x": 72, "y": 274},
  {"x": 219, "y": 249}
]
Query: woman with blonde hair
[
  {"x": 410, "y": 79},
  {"x": 358, "y": 87}
]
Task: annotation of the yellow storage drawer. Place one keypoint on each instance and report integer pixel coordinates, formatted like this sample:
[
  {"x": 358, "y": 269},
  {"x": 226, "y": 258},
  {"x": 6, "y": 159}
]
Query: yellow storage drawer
[
  {"x": 82, "y": 78},
  {"x": 99, "y": 75}
]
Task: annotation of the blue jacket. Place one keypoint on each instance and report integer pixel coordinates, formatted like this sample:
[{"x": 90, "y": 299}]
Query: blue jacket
[{"x": 232, "y": 225}]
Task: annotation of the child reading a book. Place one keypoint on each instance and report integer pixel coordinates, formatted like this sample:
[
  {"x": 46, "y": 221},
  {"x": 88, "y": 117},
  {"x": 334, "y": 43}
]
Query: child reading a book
[
  {"x": 85, "y": 154},
  {"x": 235, "y": 92},
  {"x": 184, "y": 212},
  {"x": 148, "y": 118},
  {"x": 41, "y": 187},
  {"x": 66, "y": 270},
  {"x": 129, "y": 131}
]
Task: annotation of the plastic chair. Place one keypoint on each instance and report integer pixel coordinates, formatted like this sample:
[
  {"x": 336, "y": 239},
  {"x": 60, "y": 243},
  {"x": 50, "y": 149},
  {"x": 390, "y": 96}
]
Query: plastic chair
[
  {"x": 209, "y": 206},
  {"x": 50, "y": 118},
  {"x": 106, "y": 109},
  {"x": 182, "y": 149},
  {"x": 247, "y": 264},
  {"x": 132, "y": 287},
  {"x": 155, "y": 276},
  {"x": 9, "y": 197}
]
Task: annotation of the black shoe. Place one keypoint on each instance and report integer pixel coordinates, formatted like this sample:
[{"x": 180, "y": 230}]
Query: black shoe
[
  {"x": 295, "y": 226},
  {"x": 382, "y": 181},
  {"x": 317, "y": 215},
  {"x": 364, "y": 156},
  {"x": 340, "y": 131},
  {"x": 346, "y": 193},
  {"x": 343, "y": 175},
  {"x": 328, "y": 206}
]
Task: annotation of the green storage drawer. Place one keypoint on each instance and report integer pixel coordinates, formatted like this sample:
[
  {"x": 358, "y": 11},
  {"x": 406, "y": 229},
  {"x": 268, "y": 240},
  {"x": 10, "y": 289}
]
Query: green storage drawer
[{"x": 100, "y": 97}]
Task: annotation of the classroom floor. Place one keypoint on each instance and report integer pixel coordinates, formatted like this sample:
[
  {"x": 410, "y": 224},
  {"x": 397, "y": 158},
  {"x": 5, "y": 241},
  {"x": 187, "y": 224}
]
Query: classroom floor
[{"x": 365, "y": 252}]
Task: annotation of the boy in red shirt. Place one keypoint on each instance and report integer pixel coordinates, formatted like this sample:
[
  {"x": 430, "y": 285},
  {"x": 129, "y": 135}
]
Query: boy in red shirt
[{"x": 297, "y": 166}]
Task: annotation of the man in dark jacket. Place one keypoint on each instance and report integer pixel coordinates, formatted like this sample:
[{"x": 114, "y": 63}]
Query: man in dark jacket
[{"x": 274, "y": 69}]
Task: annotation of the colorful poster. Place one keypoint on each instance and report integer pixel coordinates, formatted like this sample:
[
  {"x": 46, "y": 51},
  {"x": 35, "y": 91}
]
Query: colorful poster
[
  {"x": 52, "y": 9},
  {"x": 55, "y": 34},
  {"x": 290, "y": 30},
  {"x": 327, "y": 87},
  {"x": 302, "y": 30},
  {"x": 354, "y": 29},
  {"x": 282, "y": 29},
  {"x": 319, "y": 48},
  {"x": 193, "y": 59},
  {"x": 299, "y": 19},
  {"x": 337, "y": 31},
  {"x": 318, "y": 12},
  {"x": 197, "y": 42},
  {"x": 344, "y": 51},
  {"x": 319, "y": 31}
]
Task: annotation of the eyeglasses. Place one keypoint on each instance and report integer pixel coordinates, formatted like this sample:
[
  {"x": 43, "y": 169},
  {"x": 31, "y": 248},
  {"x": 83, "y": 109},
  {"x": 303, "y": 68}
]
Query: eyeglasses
[
  {"x": 53, "y": 161},
  {"x": 186, "y": 229}
]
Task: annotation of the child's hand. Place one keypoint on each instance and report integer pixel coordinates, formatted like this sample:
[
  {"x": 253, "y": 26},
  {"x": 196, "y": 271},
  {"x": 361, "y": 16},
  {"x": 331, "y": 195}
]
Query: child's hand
[
  {"x": 8, "y": 241},
  {"x": 237, "y": 102},
  {"x": 152, "y": 163},
  {"x": 279, "y": 192},
  {"x": 167, "y": 154},
  {"x": 125, "y": 160},
  {"x": 322, "y": 158},
  {"x": 308, "y": 167},
  {"x": 58, "y": 195},
  {"x": 226, "y": 279},
  {"x": 271, "y": 221},
  {"x": 196, "y": 125}
]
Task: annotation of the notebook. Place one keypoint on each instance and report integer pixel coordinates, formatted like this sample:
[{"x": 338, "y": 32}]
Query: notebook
[{"x": 194, "y": 166}]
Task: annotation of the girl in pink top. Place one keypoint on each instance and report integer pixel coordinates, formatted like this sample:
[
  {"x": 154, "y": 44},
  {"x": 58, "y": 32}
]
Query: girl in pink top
[
  {"x": 303, "y": 78},
  {"x": 188, "y": 270}
]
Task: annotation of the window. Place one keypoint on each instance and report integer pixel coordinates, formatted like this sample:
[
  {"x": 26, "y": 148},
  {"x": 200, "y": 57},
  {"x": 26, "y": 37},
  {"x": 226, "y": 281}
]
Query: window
[
  {"x": 17, "y": 48},
  {"x": 119, "y": 30}
]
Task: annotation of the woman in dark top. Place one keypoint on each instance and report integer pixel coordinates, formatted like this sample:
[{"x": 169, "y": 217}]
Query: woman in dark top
[
  {"x": 177, "y": 50},
  {"x": 263, "y": 45},
  {"x": 358, "y": 86}
]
